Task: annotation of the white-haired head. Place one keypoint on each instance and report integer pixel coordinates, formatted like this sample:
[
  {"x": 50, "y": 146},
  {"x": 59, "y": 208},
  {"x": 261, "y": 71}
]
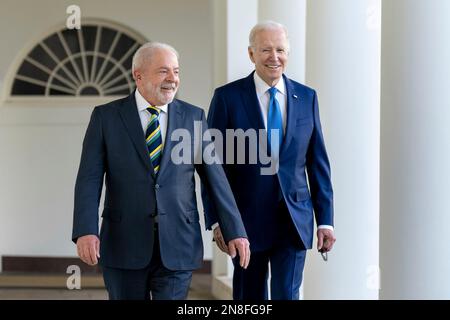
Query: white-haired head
[
  {"x": 145, "y": 52},
  {"x": 263, "y": 26}
]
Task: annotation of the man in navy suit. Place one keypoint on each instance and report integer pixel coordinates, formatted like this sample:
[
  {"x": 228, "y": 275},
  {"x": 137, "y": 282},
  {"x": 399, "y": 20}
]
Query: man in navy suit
[
  {"x": 277, "y": 209},
  {"x": 150, "y": 238}
]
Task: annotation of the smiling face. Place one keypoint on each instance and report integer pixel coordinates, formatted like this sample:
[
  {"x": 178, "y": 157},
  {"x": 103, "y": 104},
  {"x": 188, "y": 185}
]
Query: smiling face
[
  {"x": 158, "y": 79},
  {"x": 270, "y": 54}
]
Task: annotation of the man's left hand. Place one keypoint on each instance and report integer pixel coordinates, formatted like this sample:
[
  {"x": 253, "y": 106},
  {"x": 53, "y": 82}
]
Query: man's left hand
[{"x": 325, "y": 240}]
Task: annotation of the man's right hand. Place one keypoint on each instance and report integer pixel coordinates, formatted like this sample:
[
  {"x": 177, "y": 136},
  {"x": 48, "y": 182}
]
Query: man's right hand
[{"x": 88, "y": 248}]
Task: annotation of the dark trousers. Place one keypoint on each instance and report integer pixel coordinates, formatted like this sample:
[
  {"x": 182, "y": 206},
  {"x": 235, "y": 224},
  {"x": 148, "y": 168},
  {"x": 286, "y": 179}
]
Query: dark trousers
[
  {"x": 153, "y": 282},
  {"x": 286, "y": 258}
]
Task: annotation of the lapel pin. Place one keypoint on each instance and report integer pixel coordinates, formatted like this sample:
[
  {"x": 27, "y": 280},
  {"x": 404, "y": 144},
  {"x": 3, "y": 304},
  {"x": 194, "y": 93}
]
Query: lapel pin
[{"x": 295, "y": 96}]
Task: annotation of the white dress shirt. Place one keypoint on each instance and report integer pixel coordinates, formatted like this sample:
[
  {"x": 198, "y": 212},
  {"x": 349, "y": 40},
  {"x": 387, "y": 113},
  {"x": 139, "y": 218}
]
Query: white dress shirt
[
  {"x": 144, "y": 115},
  {"x": 264, "y": 98}
]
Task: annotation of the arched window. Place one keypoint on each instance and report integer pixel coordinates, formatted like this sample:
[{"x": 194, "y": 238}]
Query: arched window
[{"x": 92, "y": 61}]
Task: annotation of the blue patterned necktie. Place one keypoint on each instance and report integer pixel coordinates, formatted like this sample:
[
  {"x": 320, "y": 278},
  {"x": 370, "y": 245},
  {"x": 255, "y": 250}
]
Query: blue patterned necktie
[
  {"x": 153, "y": 138},
  {"x": 274, "y": 121}
]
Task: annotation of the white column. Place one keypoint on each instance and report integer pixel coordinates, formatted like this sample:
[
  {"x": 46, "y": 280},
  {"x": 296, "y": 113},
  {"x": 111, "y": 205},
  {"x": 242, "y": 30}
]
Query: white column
[
  {"x": 343, "y": 65},
  {"x": 233, "y": 20},
  {"x": 292, "y": 14},
  {"x": 241, "y": 17},
  {"x": 415, "y": 150}
]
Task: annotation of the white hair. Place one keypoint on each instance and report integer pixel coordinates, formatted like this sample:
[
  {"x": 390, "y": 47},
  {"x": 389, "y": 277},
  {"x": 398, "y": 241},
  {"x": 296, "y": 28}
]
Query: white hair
[
  {"x": 266, "y": 25},
  {"x": 145, "y": 52}
]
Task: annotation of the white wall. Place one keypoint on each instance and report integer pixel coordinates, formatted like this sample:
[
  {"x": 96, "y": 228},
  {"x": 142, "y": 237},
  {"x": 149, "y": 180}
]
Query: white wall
[
  {"x": 185, "y": 25},
  {"x": 40, "y": 143}
]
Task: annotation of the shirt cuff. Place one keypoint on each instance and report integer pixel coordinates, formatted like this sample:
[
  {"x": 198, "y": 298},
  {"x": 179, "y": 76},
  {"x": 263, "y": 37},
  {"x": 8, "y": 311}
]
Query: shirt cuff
[
  {"x": 325, "y": 226},
  {"x": 215, "y": 225}
]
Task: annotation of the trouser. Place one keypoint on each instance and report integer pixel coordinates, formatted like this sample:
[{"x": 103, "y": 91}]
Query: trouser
[
  {"x": 286, "y": 258},
  {"x": 153, "y": 282}
]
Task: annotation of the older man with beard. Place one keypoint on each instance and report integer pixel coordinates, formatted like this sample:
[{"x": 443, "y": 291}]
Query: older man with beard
[{"x": 150, "y": 238}]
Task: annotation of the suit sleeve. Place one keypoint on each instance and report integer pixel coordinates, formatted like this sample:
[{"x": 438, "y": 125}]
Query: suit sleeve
[
  {"x": 89, "y": 183},
  {"x": 220, "y": 205},
  {"x": 319, "y": 172},
  {"x": 217, "y": 119}
]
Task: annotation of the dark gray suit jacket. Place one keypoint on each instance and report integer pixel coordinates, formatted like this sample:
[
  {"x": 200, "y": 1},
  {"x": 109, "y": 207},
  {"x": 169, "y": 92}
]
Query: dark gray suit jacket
[{"x": 114, "y": 149}]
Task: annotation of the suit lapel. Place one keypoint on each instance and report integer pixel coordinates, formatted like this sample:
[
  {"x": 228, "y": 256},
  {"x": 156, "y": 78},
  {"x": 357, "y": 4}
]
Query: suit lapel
[
  {"x": 130, "y": 117},
  {"x": 292, "y": 104},
  {"x": 251, "y": 103},
  {"x": 174, "y": 121}
]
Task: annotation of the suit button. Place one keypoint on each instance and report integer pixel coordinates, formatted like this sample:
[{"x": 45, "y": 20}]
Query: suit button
[{"x": 156, "y": 186}]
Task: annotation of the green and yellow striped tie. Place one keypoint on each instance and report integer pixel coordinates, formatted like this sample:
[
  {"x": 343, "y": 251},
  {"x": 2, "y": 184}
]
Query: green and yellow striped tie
[{"x": 153, "y": 138}]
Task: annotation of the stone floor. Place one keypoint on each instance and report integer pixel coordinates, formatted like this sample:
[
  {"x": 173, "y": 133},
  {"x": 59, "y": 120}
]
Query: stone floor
[{"x": 53, "y": 287}]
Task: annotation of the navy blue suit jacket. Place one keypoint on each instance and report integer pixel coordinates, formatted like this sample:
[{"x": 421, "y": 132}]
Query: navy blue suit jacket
[
  {"x": 302, "y": 155},
  {"x": 114, "y": 150}
]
